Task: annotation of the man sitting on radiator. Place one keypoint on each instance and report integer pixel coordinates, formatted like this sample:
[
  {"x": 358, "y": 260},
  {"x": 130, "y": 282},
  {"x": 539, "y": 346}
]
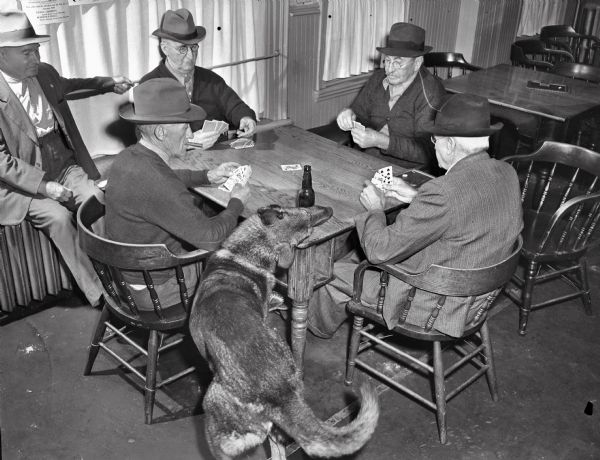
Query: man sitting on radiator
[
  {"x": 179, "y": 38},
  {"x": 45, "y": 169}
]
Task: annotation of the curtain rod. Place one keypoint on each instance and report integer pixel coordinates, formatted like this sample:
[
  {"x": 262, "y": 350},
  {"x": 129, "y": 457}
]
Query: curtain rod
[{"x": 276, "y": 53}]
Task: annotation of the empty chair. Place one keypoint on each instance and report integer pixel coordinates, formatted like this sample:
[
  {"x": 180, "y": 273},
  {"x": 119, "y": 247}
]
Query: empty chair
[
  {"x": 561, "y": 209},
  {"x": 565, "y": 37},
  {"x": 444, "y": 282},
  {"x": 449, "y": 62},
  {"x": 114, "y": 262},
  {"x": 536, "y": 55}
]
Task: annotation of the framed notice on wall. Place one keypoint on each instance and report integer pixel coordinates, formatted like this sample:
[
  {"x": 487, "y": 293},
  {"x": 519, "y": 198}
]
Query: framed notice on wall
[
  {"x": 87, "y": 2},
  {"x": 42, "y": 12}
]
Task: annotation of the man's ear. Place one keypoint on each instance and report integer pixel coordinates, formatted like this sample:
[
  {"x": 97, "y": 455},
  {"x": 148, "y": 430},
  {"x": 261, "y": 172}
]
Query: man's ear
[
  {"x": 159, "y": 132},
  {"x": 285, "y": 254}
]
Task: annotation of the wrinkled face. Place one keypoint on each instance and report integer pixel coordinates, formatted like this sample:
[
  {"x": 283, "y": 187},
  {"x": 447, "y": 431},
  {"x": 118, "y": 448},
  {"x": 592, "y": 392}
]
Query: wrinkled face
[
  {"x": 174, "y": 139},
  {"x": 400, "y": 69},
  {"x": 181, "y": 57},
  {"x": 20, "y": 61}
]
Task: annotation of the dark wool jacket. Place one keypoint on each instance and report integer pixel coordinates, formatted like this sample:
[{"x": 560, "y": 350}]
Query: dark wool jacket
[
  {"x": 210, "y": 92},
  {"x": 405, "y": 120}
]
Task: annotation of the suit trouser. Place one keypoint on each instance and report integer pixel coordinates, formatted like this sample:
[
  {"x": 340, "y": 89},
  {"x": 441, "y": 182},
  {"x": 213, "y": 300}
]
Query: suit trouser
[{"x": 56, "y": 220}]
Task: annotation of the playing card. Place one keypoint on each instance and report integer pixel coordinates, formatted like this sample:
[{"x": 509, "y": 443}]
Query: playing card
[
  {"x": 209, "y": 126},
  {"x": 242, "y": 143},
  {"x": 240, "y": 175},
  {"x": 382, "y": 177},
  {"x": 294, "y": 167},
  {"x": 356, "y": 124},
  {"x": 221, "y": 126}
]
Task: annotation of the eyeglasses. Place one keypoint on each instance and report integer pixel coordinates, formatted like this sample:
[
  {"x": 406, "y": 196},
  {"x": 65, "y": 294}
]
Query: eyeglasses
[
  {"x": 183, "y": 49},
  {"x": 396, "y": 64}
]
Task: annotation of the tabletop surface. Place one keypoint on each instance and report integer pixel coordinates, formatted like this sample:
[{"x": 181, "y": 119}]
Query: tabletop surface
[
  {"x": 338, "y": 174},
  {"x": 506, "y": 85}
]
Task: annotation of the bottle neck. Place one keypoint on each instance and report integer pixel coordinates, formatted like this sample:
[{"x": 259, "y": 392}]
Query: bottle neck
[{"x": 307, "y": 179}]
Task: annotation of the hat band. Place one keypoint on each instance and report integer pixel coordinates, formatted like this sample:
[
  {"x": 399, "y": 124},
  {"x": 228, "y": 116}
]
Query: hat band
[
  {"x": 20, "y": 33},
  {"x": 405, "y": 45},
  {"x": 176, "y": 35}
]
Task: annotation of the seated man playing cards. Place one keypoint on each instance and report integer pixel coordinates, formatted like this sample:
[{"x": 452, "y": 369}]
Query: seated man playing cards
[
  {"x": 388, "y": 115},
  {"x": 179, "y": 38},
  {"x": 468, "y": 218},
  {"x": 148, "y": 202}
]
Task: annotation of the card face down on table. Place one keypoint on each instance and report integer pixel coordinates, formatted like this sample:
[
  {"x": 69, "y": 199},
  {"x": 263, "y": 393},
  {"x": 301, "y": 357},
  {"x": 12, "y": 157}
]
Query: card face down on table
[{"x": 415, "y": 177}]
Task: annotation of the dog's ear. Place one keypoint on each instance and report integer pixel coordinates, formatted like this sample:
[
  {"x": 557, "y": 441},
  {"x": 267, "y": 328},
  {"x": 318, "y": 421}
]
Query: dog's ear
[
  {"x": 285, "y": 254},
  {"x": 268, "y": 215}
]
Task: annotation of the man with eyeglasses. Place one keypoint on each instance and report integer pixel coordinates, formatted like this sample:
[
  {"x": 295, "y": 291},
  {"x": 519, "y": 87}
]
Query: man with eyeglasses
[
  {"x": 468, "y": 218},
  {"x": 46, "y": 171},
  {"x": 179, "y": 38},
  {"x": 397, "y": 101}
]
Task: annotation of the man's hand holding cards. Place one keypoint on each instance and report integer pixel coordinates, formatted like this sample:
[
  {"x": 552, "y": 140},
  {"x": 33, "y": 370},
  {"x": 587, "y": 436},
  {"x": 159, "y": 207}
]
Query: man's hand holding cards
[
  {"x": 383, "y": 178},
  {"x": 393, "y": 187},
  {"x": 240, "y": 176}
]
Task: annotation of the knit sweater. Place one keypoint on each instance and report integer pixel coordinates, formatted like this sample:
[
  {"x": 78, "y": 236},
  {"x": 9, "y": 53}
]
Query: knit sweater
[{"x": 147, "y": 202}]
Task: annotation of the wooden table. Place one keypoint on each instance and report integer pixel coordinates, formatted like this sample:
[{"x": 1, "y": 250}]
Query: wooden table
[
  {"x": 505, "y": 85},
  {"x": 338, "y": 175}
]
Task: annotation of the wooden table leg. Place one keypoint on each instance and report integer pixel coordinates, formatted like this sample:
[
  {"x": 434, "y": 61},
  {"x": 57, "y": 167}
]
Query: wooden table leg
[{"x": 300, "y": 288}]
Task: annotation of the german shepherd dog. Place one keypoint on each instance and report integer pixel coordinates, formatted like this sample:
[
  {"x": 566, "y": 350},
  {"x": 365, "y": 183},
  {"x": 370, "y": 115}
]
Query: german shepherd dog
[{"x": 256, "y": 383}]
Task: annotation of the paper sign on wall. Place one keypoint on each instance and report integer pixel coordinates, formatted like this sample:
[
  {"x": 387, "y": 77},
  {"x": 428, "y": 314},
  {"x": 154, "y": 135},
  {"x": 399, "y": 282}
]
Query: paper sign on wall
[
  {"x": 87, "y": 2},
  {"x": 41, "y": 12}
]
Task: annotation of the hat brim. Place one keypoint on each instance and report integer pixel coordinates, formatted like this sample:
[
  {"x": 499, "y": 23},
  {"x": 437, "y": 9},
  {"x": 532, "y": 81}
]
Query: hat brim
[
  {"x": 430, "y": 128},
  {"x": 200, "y": 34},
  {"x": 25, "y": 41},
  {"x": 195, "y": 113},
  {"x": 403, "y": 52}
]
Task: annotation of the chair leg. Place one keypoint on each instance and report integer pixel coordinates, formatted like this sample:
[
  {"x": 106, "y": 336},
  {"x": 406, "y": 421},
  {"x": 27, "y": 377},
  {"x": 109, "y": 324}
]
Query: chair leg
[
  {"x": 585, "y": 286},
  {"x": 440, "y": 390},
  {"x": 490, "y": 374},
  {"x": 96, "y": 339},
  {"x": 150, "y": 388},
  {"x": 353, "y": 349},
  {"x": 527, "y": 293}
]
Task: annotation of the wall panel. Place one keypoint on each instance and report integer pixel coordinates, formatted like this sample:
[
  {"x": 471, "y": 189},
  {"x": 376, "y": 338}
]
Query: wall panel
[{"x": 439, "y": 18}]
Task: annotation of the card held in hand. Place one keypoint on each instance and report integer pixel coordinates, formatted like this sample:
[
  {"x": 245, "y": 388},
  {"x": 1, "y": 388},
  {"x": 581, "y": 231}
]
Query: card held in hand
[
  {"x": 240, "y": 175},
  {"x": 383, "y": 177}
]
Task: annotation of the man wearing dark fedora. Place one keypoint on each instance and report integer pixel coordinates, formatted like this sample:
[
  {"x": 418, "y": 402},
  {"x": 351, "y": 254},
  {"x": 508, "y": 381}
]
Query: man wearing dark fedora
[
  {"x": 397, "y": 101},
  {"x": 179, "y": 38},
  {"x": 45, "y": 168},
  {"x": 468, "y": 218},
  {"x": 147, "y": 202}
]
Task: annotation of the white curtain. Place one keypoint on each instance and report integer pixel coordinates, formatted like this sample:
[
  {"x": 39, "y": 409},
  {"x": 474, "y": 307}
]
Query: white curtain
[
  {"x": 115, "y": 38},
  {"x": 354, "y": 28},
  {"x": 538, "y": 13}
]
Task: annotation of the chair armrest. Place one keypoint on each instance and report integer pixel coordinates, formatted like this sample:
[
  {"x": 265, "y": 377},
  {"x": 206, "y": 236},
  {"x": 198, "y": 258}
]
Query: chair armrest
[
  {"x": 540, "y": 64},
  {"x": 561, "y": 54},
  {"x": 193, "y": 256}
]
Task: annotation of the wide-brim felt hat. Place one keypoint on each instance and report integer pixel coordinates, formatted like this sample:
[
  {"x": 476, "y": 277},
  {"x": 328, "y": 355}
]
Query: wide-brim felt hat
[
  {"x": 405, "y": 40},
  {"x": 179, "y": 26},
  {"x": 463, "y": 115},
  {"x": 16, "y": 30},
  {"x": 161, "y": 101}
]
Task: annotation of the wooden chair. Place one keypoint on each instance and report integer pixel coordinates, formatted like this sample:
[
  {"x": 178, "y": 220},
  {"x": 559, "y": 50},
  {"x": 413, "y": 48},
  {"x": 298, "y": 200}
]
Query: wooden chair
[
  {"x": 532, "y": 53},
  {"x": 448, "y": 61},
  {"x": 561, "y": 208},
  {"x": 444, "y": 282},
  {"x": 565, "y": 37},
  {"x": 120, "y": 313}
]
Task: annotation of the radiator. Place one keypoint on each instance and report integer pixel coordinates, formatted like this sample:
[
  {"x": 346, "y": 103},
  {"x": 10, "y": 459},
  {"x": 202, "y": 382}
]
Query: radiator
[{"x": 30, "y": 267}]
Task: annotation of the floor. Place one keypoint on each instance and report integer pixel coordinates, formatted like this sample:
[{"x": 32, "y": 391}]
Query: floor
[{"x": 549, "y": 385}]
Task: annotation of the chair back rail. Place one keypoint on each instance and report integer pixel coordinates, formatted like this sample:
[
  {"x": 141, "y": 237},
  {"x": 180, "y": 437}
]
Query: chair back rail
[
  {"x": 560, "y": 192},
  {"x": 448, "y": 61},
  {"x": 111, "y": 259},
  {"x": 535, "y": 50},
  {"x": 565, "y": 37}
]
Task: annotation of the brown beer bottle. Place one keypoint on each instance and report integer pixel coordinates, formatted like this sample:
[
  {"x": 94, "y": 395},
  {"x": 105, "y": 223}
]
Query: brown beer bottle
[{"x": 306, "y": 195}]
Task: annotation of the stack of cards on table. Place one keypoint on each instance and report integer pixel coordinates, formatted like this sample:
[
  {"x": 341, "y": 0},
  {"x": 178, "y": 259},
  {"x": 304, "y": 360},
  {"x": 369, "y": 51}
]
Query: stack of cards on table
[
  {"x": 383, "y": 178},
  {"x": 238, "y": 176},
  {"x": 242, "y": 143}
]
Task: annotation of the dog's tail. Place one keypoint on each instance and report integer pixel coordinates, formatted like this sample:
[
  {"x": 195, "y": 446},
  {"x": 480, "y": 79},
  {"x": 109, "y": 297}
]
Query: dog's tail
[{"x": 319, "y": 439}]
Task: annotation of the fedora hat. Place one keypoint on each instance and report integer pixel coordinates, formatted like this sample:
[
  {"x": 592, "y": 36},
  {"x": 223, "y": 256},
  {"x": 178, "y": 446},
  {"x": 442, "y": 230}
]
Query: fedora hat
[
  {"x": 463, "y": 115},
  {"x": 16, "y": 30},
  {"x": 179, "y": 26},
  {"x": 405, "y": 40},
  {"x": 161, "y": 101}
]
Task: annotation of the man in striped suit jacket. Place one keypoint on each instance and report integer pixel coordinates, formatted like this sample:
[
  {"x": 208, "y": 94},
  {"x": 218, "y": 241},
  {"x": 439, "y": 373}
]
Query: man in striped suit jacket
[{"x": 468, "y": 218}]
